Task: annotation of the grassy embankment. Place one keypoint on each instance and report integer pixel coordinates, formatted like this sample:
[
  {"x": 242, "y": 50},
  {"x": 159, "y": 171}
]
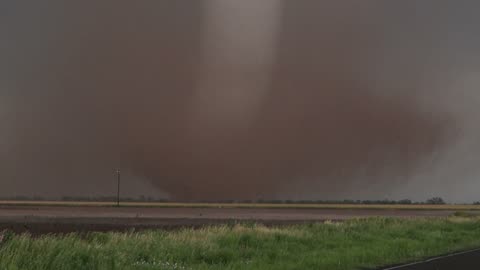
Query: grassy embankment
[
  {"x": 348, "y": 245},
  {"x": 452, "y": 207}
]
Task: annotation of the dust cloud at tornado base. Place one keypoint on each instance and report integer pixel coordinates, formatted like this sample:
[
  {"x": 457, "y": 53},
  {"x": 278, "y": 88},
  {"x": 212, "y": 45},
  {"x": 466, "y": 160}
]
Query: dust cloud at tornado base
[{"x": 207, "y": 100}]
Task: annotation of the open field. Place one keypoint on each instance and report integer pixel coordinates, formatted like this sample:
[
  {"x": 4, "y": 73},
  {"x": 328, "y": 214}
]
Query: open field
[
  {"x": 40, "y": 219},
  {"x": 354, "y": 244},
  {"x": 452, "y": 207}
]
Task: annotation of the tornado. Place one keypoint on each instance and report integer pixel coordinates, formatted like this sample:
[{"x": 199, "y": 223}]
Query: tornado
[
  {"x": 240, "y": 100},
  {"x": 238, "y": 49}
]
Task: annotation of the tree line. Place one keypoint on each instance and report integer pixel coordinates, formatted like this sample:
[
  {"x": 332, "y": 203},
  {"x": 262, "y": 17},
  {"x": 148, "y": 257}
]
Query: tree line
[{"x": 431, "y": 201}]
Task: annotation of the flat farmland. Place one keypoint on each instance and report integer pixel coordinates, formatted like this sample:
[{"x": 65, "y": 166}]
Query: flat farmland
[
  {"x": 373, "y": 243},
  {"x": 51, "y": 217},
  {"x": 450, "y": 207},
  {"x": 208, "y": 236}
]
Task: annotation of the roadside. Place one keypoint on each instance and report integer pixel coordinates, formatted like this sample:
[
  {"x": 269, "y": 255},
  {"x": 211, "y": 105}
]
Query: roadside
[{"x": 347, "y": 245}]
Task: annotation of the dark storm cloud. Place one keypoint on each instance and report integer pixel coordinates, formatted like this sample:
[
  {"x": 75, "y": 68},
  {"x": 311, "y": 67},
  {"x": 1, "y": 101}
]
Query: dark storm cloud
[{"x": 353, "y": 99}]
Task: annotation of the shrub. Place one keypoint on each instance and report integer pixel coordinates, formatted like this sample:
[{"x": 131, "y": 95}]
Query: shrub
[{"x": 435, "y": 200}]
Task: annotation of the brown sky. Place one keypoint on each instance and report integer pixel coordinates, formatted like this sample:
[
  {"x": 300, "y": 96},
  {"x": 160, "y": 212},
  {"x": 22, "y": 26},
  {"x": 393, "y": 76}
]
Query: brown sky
[{"x": 205, "y": 100}]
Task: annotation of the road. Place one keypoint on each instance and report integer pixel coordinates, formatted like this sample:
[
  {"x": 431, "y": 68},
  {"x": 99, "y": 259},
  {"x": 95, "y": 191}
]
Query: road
[{"x": 461, "y": 261}]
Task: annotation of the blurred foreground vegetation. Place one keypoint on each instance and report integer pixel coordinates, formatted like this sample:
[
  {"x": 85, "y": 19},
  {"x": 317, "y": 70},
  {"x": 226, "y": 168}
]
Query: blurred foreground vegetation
[{"x": 349, "y": 245}]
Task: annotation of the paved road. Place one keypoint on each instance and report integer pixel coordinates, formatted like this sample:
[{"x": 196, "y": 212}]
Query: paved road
[
  {"x": 462, "y": 261},
  {"x": 44, "y": 219}
]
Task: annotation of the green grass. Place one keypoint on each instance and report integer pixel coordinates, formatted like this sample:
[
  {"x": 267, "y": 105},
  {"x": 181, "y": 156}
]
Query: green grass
[{"x": 349, "y": 245}]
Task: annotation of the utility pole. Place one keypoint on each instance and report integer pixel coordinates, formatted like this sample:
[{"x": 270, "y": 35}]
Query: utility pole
[{"x": 118, "y": 186}]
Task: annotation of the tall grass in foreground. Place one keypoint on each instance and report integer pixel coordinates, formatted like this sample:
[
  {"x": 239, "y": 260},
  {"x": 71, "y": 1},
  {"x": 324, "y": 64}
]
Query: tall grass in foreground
[{"x": 348, "y": 245}]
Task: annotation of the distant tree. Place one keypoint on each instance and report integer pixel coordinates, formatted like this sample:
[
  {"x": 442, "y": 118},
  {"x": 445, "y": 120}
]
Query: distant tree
[
  {"x": 246, "y": 201},
  {"x": 406, "y": 201},
  {"x": 228, "y": 201},
  {"x": 435, "y": 200},
  {"x": 476, "y": 203}
]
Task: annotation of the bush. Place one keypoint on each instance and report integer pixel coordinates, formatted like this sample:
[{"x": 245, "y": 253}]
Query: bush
[
  {"x": 435, "y": 200},
  {"x": 406, "y": 201}
]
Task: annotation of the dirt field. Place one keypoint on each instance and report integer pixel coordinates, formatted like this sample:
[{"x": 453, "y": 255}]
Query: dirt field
[
  {"x": 453, "y": 207},
  {"x": 45, "y": 219}
]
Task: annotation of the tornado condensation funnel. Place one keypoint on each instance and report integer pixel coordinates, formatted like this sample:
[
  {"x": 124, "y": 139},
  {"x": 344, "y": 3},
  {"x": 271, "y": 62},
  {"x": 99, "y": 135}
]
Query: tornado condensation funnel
[{"x": 239, "y": 41}]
